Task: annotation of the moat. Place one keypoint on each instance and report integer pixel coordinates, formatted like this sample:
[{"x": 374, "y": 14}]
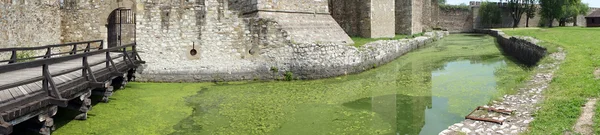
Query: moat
[{"x": 422, "y": 92}]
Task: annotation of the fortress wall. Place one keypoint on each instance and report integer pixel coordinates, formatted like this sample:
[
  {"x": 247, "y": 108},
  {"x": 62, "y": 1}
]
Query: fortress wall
[
  {"x": 456, "y": 20},
  {"x": 352, "y": 16},
  {"x": 29, "y": 24}
]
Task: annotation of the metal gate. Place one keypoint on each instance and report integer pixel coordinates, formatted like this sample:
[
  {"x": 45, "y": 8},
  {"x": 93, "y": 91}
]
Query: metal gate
[{"x": 121, "y": 27}]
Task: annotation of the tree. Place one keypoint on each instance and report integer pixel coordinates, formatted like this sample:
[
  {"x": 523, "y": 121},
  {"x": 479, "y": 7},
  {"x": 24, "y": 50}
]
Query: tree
[
  {"x": 555, "y": 9},
  {"x": 517, "y": 8},
  {"x": 583, "y": 9},
  {"x": 551, "y": 9},
  {"x": 490, "y": 13},
  {"x": 531, "y": 10}
]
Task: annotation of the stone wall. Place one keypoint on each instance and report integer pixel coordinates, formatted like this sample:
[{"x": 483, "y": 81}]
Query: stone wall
[
  {"x": 45, "y": 22},
  {"x": 310, "y": 6},
  {"x": 416, "y": 16},
  {"x": 456, "y": 20},
  {"x": 309, "y": 28},
  {"x": 382, "y": 19},
  {"x": 524, "y": 49},
  {"x": 365, "y": 18},
  {"x": 305, "y": 61},
  {"x": 29, "y": 24},
  {"x": 404, "y": 17},
  {"x": 351, "y": 15},
  {"x": 87, "y": 20}
]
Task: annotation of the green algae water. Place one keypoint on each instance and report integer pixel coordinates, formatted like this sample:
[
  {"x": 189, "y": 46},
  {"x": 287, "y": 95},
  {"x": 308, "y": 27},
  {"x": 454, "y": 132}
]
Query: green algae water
[{"x": 422, "y": 92}]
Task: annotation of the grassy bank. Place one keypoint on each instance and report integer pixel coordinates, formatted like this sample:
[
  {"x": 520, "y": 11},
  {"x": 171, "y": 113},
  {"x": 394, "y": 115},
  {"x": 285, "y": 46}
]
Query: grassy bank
[{"x": 573, "y": 83}]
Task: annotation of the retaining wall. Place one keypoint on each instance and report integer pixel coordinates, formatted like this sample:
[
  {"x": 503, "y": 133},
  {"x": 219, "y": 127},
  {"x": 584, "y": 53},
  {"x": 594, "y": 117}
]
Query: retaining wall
[
  {"x": 304, "y": 60},
  {"x": 523, "y": 49}
]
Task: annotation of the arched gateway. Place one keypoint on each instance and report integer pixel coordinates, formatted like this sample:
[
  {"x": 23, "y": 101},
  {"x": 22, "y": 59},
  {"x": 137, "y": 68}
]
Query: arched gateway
[{"x": 121, "y": 27}]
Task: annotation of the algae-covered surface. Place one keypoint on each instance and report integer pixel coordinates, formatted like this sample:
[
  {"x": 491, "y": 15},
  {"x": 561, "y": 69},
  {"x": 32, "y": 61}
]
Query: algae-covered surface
[{"x": 423, "y": 92}]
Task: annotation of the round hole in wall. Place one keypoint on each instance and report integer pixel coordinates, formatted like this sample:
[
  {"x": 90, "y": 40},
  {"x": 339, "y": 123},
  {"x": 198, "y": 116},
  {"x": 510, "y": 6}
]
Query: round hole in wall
[{"x": 193, "y": 52}]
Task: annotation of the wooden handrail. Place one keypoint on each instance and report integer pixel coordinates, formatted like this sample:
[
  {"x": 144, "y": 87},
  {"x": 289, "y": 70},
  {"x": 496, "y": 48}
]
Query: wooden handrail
[
  {"x": 47, "y": 46},
  {"x": 41, "y": 62},
  {"x": 49, "y": 87}
]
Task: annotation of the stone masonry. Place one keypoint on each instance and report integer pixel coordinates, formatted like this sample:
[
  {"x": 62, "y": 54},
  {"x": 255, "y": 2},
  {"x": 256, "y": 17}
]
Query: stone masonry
[
  {"x": 365, "y": 18},
  {"x": 235, "y": 39}
]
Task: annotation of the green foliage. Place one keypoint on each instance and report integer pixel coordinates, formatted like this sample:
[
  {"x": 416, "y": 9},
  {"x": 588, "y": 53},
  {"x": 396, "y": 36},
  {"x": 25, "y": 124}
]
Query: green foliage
[
  {"x": 360, "y": 41},
  {"x": 573, "y": 82},
  {"x": 531, "y": 8},
  {"x": 274, "y": 69},
  {"x": 24, "y": 56},
  {"x": 583, "y": 8},
  {"x": 462, "y": 6},
  {"x": 558, "y": 9},
  {"x": 490, "y": 13},
  {"x": 517, "y": 8},
  {"x": 289, "y": 76}
]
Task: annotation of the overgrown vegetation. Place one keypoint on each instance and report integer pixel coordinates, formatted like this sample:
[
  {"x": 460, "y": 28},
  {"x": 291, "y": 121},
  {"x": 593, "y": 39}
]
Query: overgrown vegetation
[
  {"x": 341, "y": 105},
  {"x": 462, "y": 6},
  {"x": 573, "y": 83},
  {"x": 24, "y": 56},
  {"x": 289, "y": 76},
  {"x": 360, "y": 41}
]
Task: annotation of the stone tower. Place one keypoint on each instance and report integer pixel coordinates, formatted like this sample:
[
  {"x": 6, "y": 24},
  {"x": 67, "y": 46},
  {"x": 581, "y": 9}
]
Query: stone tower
[{"x": 365, "y": 18}]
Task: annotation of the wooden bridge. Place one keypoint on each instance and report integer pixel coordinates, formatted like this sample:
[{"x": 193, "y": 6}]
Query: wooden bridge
[{"x": 33, "y": 86}]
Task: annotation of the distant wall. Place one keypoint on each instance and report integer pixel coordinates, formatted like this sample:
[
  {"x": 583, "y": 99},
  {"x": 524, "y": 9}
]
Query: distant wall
[
  {"x": 507, "y": 21},
  {"x": 456, "y": 20}
]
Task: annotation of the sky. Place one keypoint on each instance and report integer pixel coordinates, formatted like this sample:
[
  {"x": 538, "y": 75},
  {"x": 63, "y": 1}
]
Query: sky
[{"x": 593, "y": 3}]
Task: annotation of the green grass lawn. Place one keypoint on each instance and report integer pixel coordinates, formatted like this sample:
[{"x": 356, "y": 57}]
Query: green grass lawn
[
  {"x": 573, "y": 82},
  {"x": 360, "y": 41}
]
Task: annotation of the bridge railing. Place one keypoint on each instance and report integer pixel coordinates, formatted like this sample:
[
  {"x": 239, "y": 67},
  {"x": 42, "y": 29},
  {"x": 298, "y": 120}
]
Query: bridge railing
[
  {"x": 19, "y": 54},
  {"x": 49, "y": 89}
]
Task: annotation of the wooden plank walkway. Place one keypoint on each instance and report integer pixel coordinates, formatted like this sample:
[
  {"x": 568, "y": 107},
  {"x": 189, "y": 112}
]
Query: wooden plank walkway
[
  {"x": 60, "y": 79},
  {"x": 31, "y": 73}
]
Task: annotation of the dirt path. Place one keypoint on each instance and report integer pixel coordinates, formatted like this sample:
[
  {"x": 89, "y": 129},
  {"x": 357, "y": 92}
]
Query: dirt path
[{"x": 585, "y": 122}]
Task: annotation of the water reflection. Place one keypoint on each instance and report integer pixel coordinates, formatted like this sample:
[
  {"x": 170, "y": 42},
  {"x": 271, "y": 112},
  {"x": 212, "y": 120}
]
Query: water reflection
[
  {"x": 423, "y": 92},
  {"x": 464, "y": 83}
]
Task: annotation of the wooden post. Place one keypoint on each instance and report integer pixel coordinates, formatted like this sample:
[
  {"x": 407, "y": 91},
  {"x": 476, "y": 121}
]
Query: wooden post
[
  {"x": 13, "y": 57},
  {"x": 107, "y": 58},
  {"x": 74, "y": 50},
  {"x": 48, "y": 53}
]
